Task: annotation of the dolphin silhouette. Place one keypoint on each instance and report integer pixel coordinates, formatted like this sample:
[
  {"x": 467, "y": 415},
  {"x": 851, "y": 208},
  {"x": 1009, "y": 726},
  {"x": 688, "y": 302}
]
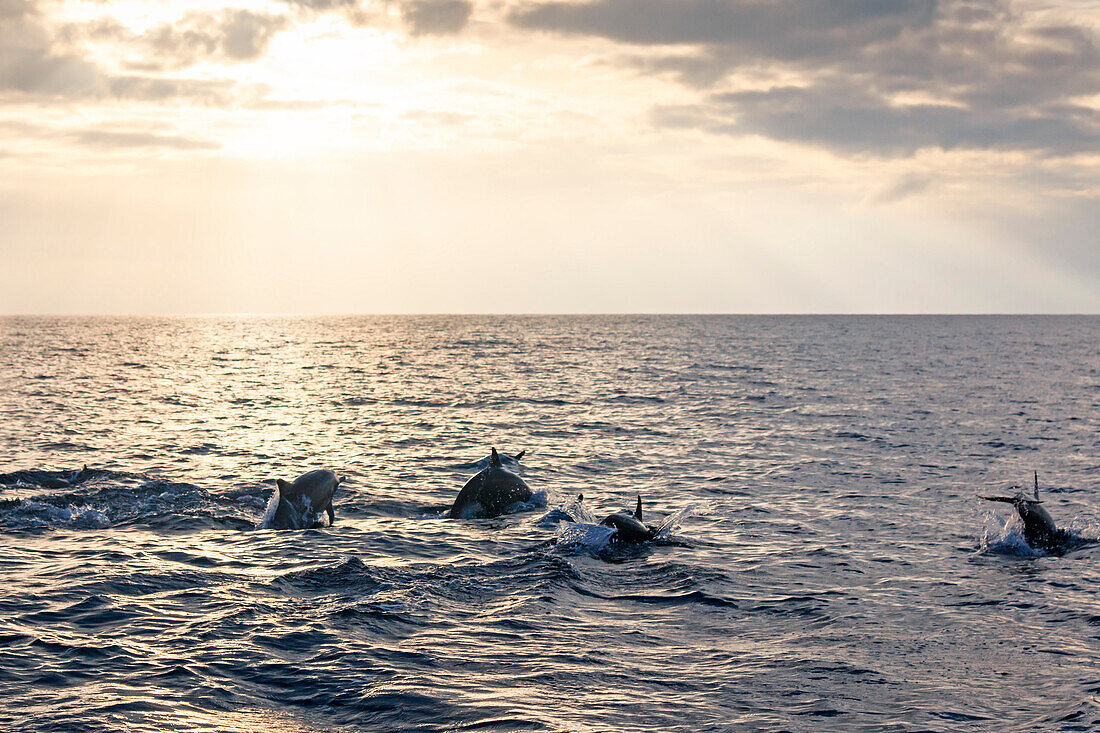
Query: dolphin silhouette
[
  {"x": 628, "y": 527},
  {"x": 490, "y": 492},
  {"x": 1039, "y": 528},
  {"x": 298, "y": 505}
]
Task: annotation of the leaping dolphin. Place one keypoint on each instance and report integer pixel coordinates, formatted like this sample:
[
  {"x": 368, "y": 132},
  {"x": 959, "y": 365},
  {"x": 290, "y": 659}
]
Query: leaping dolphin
[
  {"x": 1039, "y": 528},
  {"x": 298, "y": 505},
  {"x": 490, "y": 492}
]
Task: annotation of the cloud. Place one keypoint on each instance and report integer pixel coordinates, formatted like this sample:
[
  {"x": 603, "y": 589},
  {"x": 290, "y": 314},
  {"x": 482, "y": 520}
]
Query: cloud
[
  {"x": 323, "y": 5},
  {"x": 436, "y": 17},
  {"x": 109, "y": 140},
  {"x": 776, "y": 28},
  {"x": 15, "y": 8},
  {"x": 212, "y": 93},
  {"x": 884, "y": 77},
  {"x": 30, "y": 64},
  {"x": 421, "y": 17},
  {"x": 235, "y": 35},
  {"x": 902, "y": 188},
  {"x": 135, "y": 134},
  {"x": 838, "y": 115},
  {"x": 36, "y": 61}
]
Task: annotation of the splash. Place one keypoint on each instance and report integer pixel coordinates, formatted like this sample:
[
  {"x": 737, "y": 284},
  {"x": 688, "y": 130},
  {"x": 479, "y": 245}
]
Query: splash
[
  {"x": 32, "y": 514},
  {"x": 1007, "y": 538},
  {"x": 101, "y": 499},
  {"x": 580, "y": 530},
  {"x": 584, "y": 536},
  {"x": 538, "y": 500},
  {"x": 673, "y": 521}
]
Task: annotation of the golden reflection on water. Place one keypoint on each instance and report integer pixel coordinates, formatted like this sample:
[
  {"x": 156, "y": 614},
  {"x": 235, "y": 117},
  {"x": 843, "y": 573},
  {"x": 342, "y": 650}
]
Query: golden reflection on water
[{"x": 186, "y": 719}]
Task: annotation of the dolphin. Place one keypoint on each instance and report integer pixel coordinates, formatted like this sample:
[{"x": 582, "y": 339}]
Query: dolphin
[
  {"x": 1039, "y": 528},
  {"x": 298, "y": 505},
  {"x": 628, "y": 527},
  {"x": 490, "y": 492},
  {"x": 505, "y": 460}
]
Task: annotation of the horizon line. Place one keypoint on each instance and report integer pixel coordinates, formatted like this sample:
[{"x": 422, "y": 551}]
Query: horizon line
[{"x": 334, "y": 314}]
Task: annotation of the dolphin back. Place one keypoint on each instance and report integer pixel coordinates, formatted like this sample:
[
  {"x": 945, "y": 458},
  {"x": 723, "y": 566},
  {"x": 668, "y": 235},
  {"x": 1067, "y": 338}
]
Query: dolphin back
[
  {"x": 628, "y": 529},
  {"x": 489, "y": 493},
  {"x": 1039, "y": 528}
]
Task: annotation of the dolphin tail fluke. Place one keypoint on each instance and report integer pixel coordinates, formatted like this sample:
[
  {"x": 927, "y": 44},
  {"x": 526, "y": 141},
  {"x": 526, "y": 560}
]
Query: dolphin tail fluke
[
  {"x": 494, "y": 459},
  {"x": 638, "y": 509},
  {"x": 520, "y": 454}
]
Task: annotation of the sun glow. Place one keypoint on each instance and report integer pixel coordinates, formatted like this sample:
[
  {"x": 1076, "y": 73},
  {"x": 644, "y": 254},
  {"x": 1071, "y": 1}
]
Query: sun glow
[{"x": 195, "y": 156}]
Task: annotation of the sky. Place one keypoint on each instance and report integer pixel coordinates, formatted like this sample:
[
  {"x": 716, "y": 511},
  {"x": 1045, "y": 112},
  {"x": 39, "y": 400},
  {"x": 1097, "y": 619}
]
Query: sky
[{"x": 543, "y": 156}]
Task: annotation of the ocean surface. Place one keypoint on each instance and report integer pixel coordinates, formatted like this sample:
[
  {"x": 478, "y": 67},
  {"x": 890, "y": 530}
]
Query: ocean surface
[{"x": 830, "y": 569}]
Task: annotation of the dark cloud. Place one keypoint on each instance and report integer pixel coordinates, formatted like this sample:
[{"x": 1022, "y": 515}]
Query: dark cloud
[
  {"x": 847, "y": 118},
  {"x": 777, "y": 28},
  {"x": 236, "y": 35},
  {"x": 985, "y": 76},
  {"x": 436, "y": 17}
]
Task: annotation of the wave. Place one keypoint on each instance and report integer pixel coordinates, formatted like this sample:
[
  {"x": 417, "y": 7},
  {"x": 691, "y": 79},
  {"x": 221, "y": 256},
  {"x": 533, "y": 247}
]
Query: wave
[{"x": 97, "y": 498}]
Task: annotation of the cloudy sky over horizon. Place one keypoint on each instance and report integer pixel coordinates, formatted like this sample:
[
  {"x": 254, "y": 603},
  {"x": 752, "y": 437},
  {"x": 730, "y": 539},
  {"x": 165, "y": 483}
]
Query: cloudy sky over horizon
[{"x": 386, "y": 156}]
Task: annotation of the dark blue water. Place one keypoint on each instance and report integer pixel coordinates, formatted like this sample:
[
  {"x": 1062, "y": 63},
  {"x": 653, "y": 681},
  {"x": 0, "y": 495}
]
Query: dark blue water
[{"x": 831, "y": 569}]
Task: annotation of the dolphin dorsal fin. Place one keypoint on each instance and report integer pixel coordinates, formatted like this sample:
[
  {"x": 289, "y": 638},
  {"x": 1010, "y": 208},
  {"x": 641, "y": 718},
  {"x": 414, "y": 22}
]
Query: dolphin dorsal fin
[
  {"x": 494, "y": 459},
  {"x": 638, "y": 509},
  {"x": 1036, "y": 486}
]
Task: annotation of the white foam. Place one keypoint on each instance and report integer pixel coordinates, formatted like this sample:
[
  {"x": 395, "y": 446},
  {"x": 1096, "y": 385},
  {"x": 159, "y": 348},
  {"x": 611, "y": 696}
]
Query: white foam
[
  {"x": 582, "y": 535},
  {"x": 41, "y": 514},
  {"x": 88, "y": 518},
  {"x": 1006, "y": 538},
  {"x": 537, "y": 501}
]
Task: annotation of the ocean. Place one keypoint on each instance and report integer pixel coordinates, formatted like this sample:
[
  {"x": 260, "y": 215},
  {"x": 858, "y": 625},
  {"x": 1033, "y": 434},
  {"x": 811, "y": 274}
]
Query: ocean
[{"x": 830, "y": 566}]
